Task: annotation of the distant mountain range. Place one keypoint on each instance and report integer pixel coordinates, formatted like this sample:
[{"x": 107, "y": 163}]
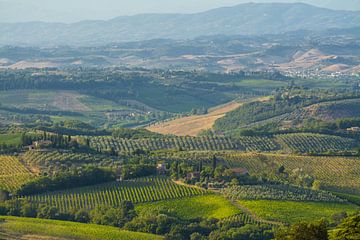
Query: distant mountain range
[{"x": 244, "y": 19}]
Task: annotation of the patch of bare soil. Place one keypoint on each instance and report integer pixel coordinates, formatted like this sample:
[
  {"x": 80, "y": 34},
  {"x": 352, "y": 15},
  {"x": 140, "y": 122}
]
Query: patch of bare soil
[{"x": 193, "y": 125}]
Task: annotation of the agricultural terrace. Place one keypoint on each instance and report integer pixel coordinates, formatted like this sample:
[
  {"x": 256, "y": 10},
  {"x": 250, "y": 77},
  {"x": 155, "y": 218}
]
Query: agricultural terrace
[
  {"x": 13, "y": 173},
  {"x": 140, "y": 190}
]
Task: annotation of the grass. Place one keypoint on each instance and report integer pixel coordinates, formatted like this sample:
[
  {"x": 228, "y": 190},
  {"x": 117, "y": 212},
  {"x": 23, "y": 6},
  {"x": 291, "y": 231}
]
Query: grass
[
  {"x": 291, "y": 212},
  {"x": 206, "y": 206},
  {"x": 51, "y": 228},
  {"x": 10, "y": 139}
]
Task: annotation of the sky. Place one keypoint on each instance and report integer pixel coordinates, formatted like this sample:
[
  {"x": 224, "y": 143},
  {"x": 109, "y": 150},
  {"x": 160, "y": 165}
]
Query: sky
[{"x": 77, "y": 10}]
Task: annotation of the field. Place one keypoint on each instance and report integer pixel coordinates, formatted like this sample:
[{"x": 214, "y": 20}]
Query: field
[
  {"x": 206, "y": 206},
  {"x": 13, "y": 173},
  {"x": 30, "y": 228},
  {"x": 291, "y": 212},
  {"x": 10, "y": 139},
  {"x": 137, "y": 191},
  {"x": 339, "y": 174},
  {"x": 193, "y": 125}
]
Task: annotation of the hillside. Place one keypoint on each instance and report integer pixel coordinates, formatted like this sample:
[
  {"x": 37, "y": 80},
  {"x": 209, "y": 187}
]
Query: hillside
[
  {"x": 245, "y": 19},
  {"x": 193, "y": 125},
  {"x": 30, "y": 228}
]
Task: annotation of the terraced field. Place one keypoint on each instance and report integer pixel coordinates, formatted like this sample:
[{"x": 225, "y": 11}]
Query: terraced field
[
  {"x": 137, "y": 191},
  {"x": 13, "y": 173}
]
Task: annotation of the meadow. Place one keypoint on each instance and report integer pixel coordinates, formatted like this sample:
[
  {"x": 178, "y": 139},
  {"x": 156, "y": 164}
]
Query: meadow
[
  {"x": 51, "y": 229},
  {"x": 292, "y": 211},
  {"x": 10, "y": 139}
]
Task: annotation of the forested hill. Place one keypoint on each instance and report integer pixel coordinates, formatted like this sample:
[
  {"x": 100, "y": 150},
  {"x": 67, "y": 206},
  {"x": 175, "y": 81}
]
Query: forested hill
[{"x": 243, "y": 19}]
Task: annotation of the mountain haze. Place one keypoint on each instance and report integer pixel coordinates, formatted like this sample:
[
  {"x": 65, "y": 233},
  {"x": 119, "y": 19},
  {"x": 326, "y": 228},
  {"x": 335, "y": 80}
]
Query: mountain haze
[{"x": 244, "y": 19}]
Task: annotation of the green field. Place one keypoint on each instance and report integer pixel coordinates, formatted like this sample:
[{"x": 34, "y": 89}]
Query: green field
[
  {"x": 15, "y": 226},
  {"x": 206, "y": 206},
  {"x": 291, "y": 212},
  {"x": 10, "y": 139}
]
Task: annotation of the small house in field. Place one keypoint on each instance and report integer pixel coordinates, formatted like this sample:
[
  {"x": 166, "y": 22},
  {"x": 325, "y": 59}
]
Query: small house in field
[
  {"x": 39, "y": 145},
  {"x": 42, "y": 144},
  {"x": 239, "y": 171},
  {"x": 193, "y": 175},
  {"x": 353, "y": 129},
  {"x": 161, "y": 169}
]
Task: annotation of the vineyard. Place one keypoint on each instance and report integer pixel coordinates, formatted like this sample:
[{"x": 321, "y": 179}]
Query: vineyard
[
  {"x": 137, "y": 191},
  {"x": 315, "y": 143},
  {"x": 278, "y": 192},
  {"x": 13, "y": 174}
]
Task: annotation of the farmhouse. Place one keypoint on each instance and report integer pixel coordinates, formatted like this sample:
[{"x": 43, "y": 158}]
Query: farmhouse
[
  {"x": 353, "y": 129},
  {"x": 40, "y": 144}
]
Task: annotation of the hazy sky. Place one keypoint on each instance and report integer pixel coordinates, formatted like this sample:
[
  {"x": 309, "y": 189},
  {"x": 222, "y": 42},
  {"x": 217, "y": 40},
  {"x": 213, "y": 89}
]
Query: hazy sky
[{"x": 76, "y": 10}]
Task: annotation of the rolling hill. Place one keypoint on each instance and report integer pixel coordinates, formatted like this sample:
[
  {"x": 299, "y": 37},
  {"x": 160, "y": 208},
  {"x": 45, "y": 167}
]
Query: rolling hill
[{"x": 244, "y": 19}]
